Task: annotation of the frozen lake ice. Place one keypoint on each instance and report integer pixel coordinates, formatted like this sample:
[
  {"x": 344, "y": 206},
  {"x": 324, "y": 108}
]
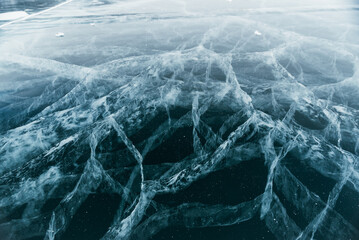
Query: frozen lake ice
[{"x": 179, "y": 119}]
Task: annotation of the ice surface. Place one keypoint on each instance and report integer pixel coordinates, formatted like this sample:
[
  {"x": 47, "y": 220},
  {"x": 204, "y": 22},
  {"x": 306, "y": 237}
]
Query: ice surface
[{"x": 180, "y": 120}]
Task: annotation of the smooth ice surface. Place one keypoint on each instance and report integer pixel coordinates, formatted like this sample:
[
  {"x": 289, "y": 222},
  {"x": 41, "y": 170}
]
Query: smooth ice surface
[{"x": 179, "y": 119}]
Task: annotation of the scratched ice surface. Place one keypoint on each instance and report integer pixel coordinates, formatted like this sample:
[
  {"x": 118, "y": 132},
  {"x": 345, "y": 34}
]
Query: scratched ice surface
[{"x": 184, "y": 119}]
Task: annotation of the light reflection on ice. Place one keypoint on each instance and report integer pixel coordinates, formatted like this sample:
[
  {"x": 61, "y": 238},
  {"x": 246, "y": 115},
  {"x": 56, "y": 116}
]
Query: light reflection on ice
[{"x": 12, "y": 15}]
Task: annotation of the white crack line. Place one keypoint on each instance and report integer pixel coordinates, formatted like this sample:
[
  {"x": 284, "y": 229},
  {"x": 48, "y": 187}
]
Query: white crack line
[{"x": 35, "y": 14}]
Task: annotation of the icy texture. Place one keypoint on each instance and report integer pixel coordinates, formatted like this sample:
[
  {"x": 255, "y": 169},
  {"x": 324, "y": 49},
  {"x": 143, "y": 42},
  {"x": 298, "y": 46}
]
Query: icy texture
[{"x": 181, "y": 119}]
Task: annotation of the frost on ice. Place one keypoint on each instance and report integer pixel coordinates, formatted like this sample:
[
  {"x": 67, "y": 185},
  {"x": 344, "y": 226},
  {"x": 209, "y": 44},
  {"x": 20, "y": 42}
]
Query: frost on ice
[{"x": 180, "y": 120}]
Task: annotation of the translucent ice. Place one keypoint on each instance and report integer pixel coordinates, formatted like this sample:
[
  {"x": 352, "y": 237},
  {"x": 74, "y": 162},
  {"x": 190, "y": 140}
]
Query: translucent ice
[{"x": 179, "y": 119}]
